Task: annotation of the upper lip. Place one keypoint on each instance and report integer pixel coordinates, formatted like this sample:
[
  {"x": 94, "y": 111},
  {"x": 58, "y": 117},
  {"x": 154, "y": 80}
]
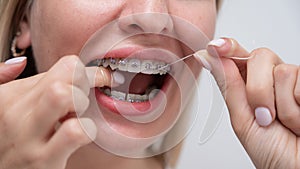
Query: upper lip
[{"x": 157, "y": 54}]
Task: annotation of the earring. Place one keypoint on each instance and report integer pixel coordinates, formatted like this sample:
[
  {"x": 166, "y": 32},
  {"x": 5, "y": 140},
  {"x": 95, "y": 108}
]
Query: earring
[{"x": 14, "y": 47}]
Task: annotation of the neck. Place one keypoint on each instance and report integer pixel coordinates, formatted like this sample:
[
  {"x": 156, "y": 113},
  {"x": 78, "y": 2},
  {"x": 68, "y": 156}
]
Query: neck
[{"x": 93, "y": 157}]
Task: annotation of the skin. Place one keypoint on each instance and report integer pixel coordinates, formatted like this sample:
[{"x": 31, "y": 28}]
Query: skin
[
  {"x": 93, "y": 15},
  {"x": 67, "y": 35},
  {"x": 247, "y": 86}
]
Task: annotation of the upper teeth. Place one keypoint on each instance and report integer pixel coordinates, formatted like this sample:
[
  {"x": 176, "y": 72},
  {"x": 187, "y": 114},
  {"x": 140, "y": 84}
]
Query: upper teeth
[{"x": 133, "y": 65}]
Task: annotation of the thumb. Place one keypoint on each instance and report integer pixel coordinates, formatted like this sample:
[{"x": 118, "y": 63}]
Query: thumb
[{"x": 11, "y": 69}]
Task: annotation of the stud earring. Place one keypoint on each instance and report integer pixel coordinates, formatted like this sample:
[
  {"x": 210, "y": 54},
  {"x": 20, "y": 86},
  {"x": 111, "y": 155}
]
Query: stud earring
[{"x": 14, "y": 47}]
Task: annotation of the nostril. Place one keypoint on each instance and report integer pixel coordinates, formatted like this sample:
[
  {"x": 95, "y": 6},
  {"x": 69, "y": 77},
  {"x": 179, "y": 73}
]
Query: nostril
[
  {"x": 132, "y": 28},
  {"x": 135, "y": 27},
  {"x": 146, "y": 22},
  {"x": 165, "y": 31}
]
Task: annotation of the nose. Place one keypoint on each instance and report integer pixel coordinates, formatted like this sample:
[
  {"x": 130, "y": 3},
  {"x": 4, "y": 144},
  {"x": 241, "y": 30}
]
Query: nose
[{"x": 146, "y": 17}]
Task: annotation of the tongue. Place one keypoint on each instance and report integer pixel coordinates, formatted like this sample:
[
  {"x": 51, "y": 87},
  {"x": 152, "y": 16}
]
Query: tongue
[
  {"x": 140, "y": 83},
  {"x": 136, "y": 83}
]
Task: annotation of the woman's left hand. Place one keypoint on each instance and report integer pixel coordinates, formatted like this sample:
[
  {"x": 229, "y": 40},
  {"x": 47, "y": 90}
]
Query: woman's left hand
[{"x": 263, "y": 98}]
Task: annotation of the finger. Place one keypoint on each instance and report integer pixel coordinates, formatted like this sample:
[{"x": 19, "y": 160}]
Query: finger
[
  {"x": 230, "y": 48},
  {"x": 72, "y": 134},
  {"x": 100, "y": 76},
  {"x": 22, "y": 86},
  {"x": 233, "y": 89},
  {"x": 260, "y": 85},
  {"x": 226, "y": 47},
  {"x": 11, "y": 69},
  {"x": 287, "y": 108},
  {"x": 57, "y": 101},
  {"x": 297, "y": 87},
  {"x": 70, "y": 70}
]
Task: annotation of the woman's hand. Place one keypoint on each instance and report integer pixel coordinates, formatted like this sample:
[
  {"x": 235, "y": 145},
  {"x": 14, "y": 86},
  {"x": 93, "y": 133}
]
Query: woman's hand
[
  {"x": 31, "y": 108},
  {"x": 11, "y": 69},
  {"x": 263, "y": 98}
]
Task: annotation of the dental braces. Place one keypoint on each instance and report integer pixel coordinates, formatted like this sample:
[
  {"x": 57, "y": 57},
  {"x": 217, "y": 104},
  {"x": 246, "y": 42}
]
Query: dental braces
[
  {"x": 133, "y": 98},
  {"x": 133, "y": 65}
]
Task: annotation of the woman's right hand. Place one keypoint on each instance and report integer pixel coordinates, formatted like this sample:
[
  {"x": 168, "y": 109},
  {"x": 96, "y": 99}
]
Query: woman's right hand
[{"x": 31, "y": 108}]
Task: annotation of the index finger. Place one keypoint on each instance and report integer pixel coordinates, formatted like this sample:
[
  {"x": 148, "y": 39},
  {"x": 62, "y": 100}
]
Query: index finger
[
  {"x": 230, "y": 48},
  {"x": 227, "y": 47}
]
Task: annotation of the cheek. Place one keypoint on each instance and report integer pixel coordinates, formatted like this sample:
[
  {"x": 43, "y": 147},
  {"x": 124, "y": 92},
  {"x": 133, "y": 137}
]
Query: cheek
[
  {"x": 201, "y": 14},
  {"x": 196, "y": 27},
  {"x": 61, "y": 27},
  {"x": 202, "y": 17}
]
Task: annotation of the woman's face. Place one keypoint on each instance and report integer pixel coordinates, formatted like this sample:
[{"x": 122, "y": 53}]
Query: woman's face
[{"x": 62, "y": 27}]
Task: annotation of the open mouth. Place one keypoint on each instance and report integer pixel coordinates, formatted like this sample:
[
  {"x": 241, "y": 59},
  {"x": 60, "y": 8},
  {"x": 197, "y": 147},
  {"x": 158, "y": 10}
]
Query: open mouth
[{"x": 143, "y": 78}]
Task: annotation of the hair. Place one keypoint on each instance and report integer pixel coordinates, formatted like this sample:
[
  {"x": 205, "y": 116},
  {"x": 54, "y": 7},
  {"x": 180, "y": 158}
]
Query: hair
[
  {"x": 219, "y": 3},
  {"x": 12, "y": 13}
]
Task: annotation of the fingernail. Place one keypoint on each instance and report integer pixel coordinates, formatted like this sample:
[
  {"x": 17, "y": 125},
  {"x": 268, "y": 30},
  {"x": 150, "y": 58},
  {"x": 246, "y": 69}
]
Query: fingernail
[
  {"x": 15, "y": 60},
  {"x": 217, "y": 42},
  {"x": 118, "y": 79},
  {"x": 204, "y": 62},
  {"x": 89, "y": 127},
  {"x": 263, "y": 116}
]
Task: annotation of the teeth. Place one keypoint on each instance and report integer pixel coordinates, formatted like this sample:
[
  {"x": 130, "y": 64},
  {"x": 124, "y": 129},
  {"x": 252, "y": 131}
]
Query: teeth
[
  {"x": 153, "y": 93},
  {"x": 123, "y": 64},
  {"x": 136, "y": 98},
  {"x": 107, "y": 92},
  {"x": 114, "y": 63},
  {"x": 147, "y": 67},
  {"x": 133, "y": 98},
  {"x": 118, "y": 95},
  {"x": 133, "y": 65},
  {"x": 163, "y": 68},
  {"x": 157, "y": 66},
  {"x": 105, "y": 63}
]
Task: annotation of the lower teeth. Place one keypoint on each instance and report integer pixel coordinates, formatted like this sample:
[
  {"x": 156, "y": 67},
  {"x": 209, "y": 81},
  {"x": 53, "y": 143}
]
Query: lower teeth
[{"x": 133, "y": 98}]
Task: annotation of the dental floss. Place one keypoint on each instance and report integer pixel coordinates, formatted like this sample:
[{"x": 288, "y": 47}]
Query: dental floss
[
  {"x": 181, "y": 59},
  {"x": 200, "y": 54},
  {"x": 196, "y": 54}
]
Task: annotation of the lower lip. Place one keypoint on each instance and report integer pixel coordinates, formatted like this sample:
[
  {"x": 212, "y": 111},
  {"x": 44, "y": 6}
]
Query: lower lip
[{"x": 132, "y": 109}]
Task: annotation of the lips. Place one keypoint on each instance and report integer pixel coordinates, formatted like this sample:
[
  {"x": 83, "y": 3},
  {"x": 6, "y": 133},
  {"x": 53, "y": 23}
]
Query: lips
[
  {"x": 132, "y": 108},
  {"x": 143, "y": 90}
]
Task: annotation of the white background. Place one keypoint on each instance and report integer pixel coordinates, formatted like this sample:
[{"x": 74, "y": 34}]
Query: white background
[{"x": 254, "y": 23}]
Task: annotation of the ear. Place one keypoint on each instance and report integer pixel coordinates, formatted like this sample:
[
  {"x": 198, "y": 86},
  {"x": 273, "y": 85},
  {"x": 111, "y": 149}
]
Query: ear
[{"x": 24, "y": 38}]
